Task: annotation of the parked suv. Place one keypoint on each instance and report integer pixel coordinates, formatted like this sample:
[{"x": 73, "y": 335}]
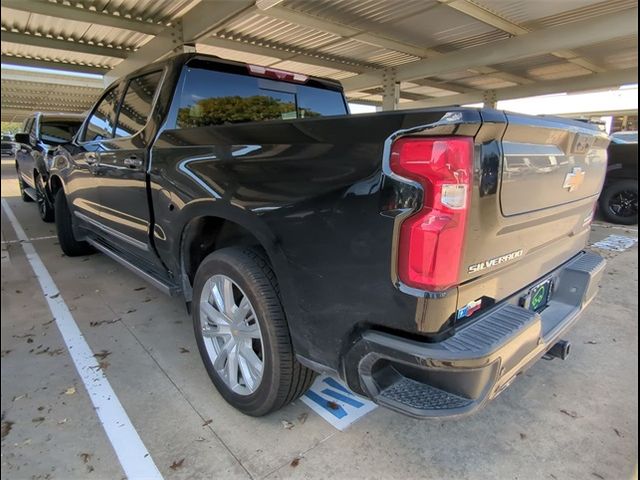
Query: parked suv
[
  {"x": 397, "y": 250},
  {"x": 42, "y": 132},
  {"x": 619, "y": 198}
]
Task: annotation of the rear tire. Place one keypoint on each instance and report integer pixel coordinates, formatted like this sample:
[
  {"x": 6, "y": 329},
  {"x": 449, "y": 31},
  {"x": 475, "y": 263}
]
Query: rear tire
[
  {"x": 282, "y": 378},
  {"x": 68, "y": 243},
  {"x": 619, "y": 202}
]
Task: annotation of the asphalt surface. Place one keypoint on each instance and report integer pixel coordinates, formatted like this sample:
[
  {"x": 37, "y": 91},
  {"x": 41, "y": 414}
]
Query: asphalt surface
[{"x": 573, "y": 419}]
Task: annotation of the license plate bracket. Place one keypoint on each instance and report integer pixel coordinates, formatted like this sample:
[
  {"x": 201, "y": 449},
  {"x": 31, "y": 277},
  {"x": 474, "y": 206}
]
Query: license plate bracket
[{"x": 538, "y": 297}]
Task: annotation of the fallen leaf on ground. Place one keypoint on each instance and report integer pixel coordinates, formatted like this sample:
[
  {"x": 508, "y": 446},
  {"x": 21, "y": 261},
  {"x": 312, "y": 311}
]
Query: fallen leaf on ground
[
  {"x": 103, "y": 365},
  {"x": 597, "y": 475},
  {"x": 55, "y": 295},
  {"x": 177, "y": 464},
  {"x": 5, "y": 429},
  {"x": 523, "y": 436},
  {"x": 103, "y": 322},
  {"x": 37, "y": 420},
  {"x": 303, "y": 417},
  {"x": 295, "y": 462},
  {"x": 333, "y": 405},
  {"x": 184, "y": 350},
  {"x": 570, "y": 413},
  {"x": 102, "y": 354},
  {"x": 618, "y": 432},
  {"x": 85, "y": 457},
  {"x": 131, "y": 310},
  {"x": 287, "y": 424},
  {"x": 29, "y": 340},
  {"x": 70, "y": 391},
  {"x": 139, "y": 289}
]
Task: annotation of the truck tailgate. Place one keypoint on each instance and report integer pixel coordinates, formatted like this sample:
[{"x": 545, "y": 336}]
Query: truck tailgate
[
  {"x": 549, "y": 163},
  {"x": 550, "y": 174}
]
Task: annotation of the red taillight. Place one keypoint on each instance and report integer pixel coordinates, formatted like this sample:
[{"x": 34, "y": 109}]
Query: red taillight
[
  {"x": 276, "y": 74},
  {"x": 432, "y": 239}
]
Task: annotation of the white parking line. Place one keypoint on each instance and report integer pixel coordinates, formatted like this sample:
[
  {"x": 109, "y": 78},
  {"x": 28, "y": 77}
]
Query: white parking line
[
  {"x": 127, "y": 444},
  {"x": 9, "y": 242}
]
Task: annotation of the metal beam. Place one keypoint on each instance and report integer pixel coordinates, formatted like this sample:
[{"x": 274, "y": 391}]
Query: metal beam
[
  {"x": 77, "y": 13},
  {"x": 344, "y": 31},
  {"x": 494, "y": 20},
  {"x": 51, "y": 78},
  {"x": 199, "y": 21},
  {"x": 66, "y": 45},
  {"x": 585, "y": 32},
  {"x": 68, "y": 67},
  {"x": 576, "y": 84},
  {"x": 391, "y": 93}
]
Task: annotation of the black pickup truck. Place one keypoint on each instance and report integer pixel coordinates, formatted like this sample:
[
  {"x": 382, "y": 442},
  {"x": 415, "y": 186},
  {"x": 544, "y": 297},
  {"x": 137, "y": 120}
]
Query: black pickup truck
[{"x": 426, "y": 257}]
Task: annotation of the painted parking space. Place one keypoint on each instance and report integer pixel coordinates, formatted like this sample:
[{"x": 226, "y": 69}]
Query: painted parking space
[{"x": 333, "y": 401}]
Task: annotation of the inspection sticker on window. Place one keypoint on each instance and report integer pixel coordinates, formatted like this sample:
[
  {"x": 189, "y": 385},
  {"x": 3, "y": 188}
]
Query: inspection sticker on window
[
  {"x": 334, "y": 402},
  {"x": 617, "y": 243}
]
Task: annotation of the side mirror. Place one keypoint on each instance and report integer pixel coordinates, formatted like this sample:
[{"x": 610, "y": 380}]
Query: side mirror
[{"x": 22, "y": 138}]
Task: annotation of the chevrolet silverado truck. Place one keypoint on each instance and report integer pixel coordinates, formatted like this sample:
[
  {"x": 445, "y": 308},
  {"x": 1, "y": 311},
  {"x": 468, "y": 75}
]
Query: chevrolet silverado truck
[
  {"x": 425, "y": 257},
  {"x": 42, "y": 133}
]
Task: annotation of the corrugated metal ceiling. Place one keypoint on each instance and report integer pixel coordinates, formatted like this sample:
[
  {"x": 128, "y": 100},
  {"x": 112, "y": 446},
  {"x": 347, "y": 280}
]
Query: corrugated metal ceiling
[{"x": 406, "y": 29}]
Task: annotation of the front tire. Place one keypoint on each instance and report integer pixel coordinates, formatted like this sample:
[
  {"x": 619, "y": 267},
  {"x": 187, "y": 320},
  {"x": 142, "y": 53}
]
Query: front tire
[
  {"x": 242, "y": 332},
  {"x": 68, "y": 243},
  {"x": 45, "y": 207},
  {"x": 619, "y": 202}
]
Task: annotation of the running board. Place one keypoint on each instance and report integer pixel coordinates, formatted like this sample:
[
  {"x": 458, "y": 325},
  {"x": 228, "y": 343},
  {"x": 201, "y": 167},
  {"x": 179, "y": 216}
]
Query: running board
[
  {"x": 172, "y": 290},
  {"x": 32, "y": 193}
]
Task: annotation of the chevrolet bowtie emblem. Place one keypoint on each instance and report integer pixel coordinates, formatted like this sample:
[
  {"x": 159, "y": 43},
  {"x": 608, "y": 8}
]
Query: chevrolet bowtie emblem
[{"x": 574, "y": 179}]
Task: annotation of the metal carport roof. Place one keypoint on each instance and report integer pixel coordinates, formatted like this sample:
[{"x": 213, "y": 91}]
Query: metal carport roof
[{"x": 409, "y": 53}]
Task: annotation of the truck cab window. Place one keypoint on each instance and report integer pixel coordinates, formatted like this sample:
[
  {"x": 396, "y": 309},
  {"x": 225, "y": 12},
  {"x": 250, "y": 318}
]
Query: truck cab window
[
  {"x": 137, "y": 104},
  {"x": 216, "y": 98},
  {"x": 100, "y": 124}
]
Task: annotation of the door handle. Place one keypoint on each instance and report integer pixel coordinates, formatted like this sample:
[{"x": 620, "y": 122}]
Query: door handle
[
  {"x": 91, "y": 158},
  {"x": 133, "y": 162}
]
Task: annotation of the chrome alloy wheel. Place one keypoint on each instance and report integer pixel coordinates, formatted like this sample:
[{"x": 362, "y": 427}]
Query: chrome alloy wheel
[{"x": 231, "y": 334}]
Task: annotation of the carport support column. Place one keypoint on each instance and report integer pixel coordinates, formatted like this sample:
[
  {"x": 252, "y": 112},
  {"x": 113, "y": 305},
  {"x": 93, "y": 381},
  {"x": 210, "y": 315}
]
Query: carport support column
[
  {"x": 490, "y": 99},
  {"x": 391, "y": 93}
]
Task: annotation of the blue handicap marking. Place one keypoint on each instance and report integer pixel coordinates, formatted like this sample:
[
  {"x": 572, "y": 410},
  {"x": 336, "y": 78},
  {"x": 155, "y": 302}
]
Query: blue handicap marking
[
  {"x": 334, "y": 402},
  {"x": 345, "y": 398},
  {"x": 336, "y": 410}
]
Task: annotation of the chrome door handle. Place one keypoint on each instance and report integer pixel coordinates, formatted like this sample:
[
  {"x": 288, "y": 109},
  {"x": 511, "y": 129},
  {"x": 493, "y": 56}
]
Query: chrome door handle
[
  {"x": 133, "y": 162},
  {"x": 91, "y": 158}
]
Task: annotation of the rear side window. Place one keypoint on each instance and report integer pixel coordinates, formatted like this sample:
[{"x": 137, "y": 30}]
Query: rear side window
[
  {"x": 100, "y": 124},
  {"x": 217, "y": 98},
  {"x": 137, "y": 103},
  {"x": 58, "y": 132}
]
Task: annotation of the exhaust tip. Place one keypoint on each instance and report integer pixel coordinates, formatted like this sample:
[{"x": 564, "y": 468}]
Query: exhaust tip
[{"x": 561, "y": 349}]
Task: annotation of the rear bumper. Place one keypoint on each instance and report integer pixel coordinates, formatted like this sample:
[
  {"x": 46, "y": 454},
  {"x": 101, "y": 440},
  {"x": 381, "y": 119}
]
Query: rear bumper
[{"x": 458, "y": 375}]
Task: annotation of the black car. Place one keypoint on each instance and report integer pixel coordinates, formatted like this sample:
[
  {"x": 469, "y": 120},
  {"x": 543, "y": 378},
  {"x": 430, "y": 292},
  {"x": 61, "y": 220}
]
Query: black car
[
  {"x": 8, "y": 146},
  {"x": 619, "y": 198},
  {"x": 42, "y": 132}
]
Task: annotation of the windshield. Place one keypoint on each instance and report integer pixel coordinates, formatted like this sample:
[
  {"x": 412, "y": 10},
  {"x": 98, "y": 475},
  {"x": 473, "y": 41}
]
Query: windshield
[
  {"x": 625, "y": 137},
  {"x": 57, "y": 132}
]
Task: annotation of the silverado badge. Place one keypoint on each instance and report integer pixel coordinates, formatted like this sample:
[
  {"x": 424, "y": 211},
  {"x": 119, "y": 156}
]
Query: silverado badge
[{"x": 574, "y": 179}]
